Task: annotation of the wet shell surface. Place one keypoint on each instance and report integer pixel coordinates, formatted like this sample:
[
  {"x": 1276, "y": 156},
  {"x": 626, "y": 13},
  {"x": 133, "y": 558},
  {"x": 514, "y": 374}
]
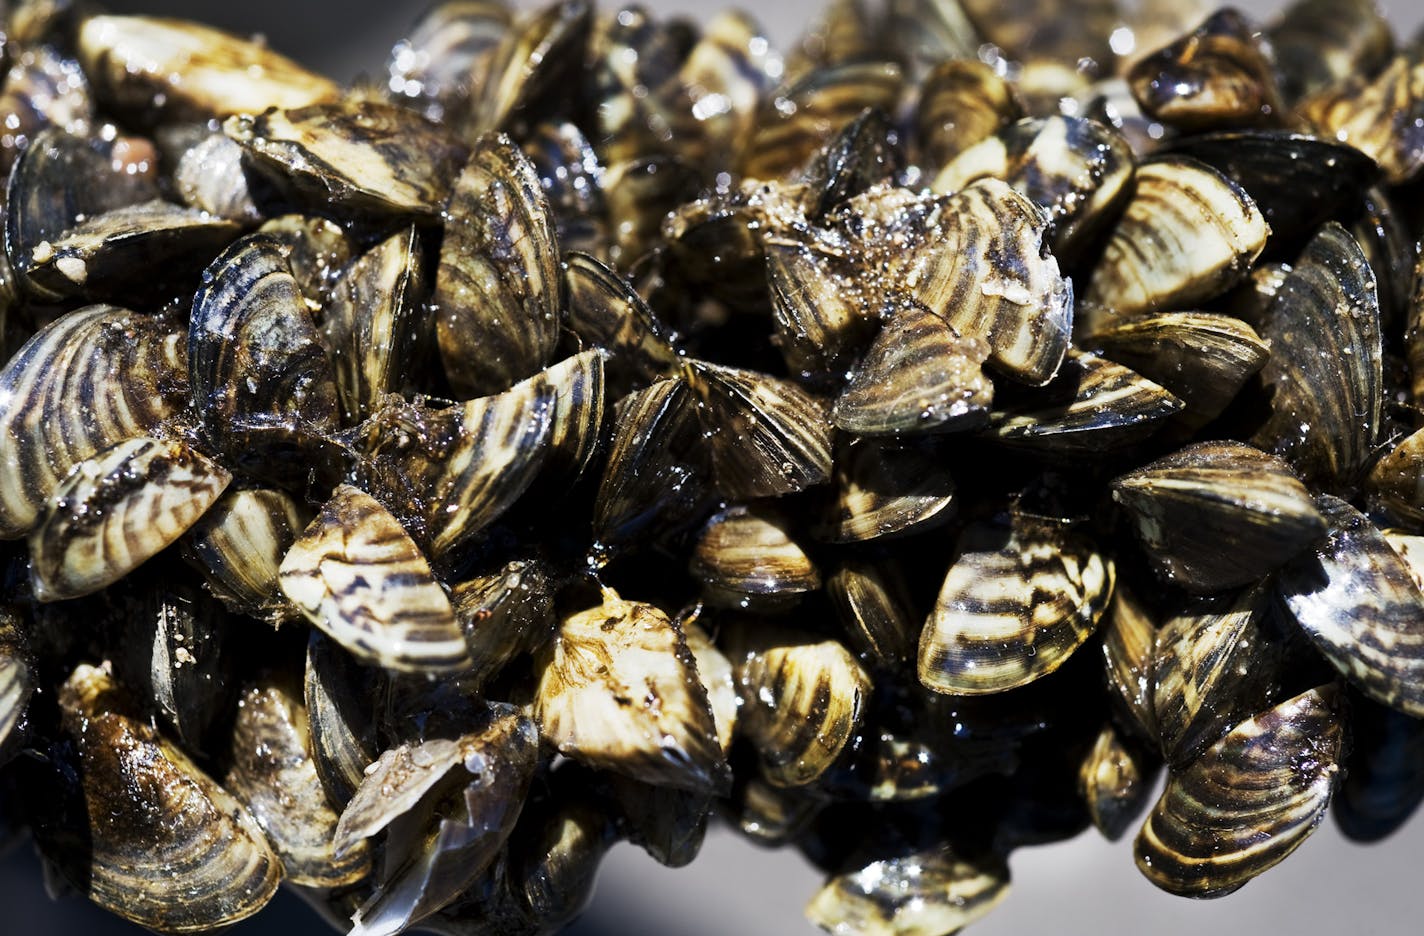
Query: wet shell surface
[{"x": 903, "y": 445}]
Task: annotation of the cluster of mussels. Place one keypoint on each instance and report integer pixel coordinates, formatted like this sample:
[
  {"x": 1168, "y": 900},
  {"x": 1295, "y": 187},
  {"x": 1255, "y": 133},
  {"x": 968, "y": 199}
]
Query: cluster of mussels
[{"x": 903, "y": 448}]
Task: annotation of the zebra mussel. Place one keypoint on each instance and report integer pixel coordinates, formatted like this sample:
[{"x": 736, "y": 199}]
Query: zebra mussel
[{"x": 903, "y": 446}]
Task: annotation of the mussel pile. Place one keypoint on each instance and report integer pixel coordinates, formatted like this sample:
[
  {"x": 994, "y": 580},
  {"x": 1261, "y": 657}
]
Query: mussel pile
[{"x": 904, "y": 448}]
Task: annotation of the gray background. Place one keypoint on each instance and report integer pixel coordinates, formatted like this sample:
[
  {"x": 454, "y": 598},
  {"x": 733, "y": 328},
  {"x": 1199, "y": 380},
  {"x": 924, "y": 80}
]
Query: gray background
[{"x": 1085, "y": 887}]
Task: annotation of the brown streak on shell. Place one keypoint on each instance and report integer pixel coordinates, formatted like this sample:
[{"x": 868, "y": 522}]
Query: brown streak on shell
[
  {"x": 117, "y": 510},
  {"x": 357, "y": 575}
]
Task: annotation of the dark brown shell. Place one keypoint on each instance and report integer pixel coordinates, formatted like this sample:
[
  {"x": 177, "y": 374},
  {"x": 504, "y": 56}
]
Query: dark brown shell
[
  {"x": 1248, "y": 802},
  {"x": 497, "y": 289}
]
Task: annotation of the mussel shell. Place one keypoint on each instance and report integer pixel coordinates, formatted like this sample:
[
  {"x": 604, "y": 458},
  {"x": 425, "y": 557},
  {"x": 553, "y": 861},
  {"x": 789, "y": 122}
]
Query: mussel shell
[
  {"x": 1320, "y": 42},
  {"x": 872, "y": 604},
  {"x": 1215, "y": 663},
  {"x": 18, "y": 677},
  {"x": 821, "y": 321},
  {"x": 984, "y": 269},
  {"x": 271, "y": 771},
  {"x": 1247, "y": 802},
  {"x": 1396, "y": 482},
  {"x": 150, "y": 837},
  {"x": 340, "y": 704},
  {"x": 748, "y": 558},
  {"x": 1218, "y": 514},
  {"x": 1116, "y": 782},
  {"x": 317, "y": 249},
  {"x": 864, "y": 153},
  {"x": 1356, "y": 599},
  {"x": 1298, "y": 181},
  {"x": 263, "y": 388},
  {"x": 572, "y": 177},
  {"x": 886, "y": 489},
  {"x": 797, "y": 122},
  {"x": 1188, "y": 234},
  {"x": 1382, "y": 116},
  {"x": 726, "y": 73},
  {"x": 937, "y": 891},
  {"x": 654, "y": 477},
  {"x": 443, "y": 63},
  {"x": 1325, "y": 371},
  {"x": 619, "y": 690},
  {"x": 238, "y": 544},
  {"x": 372, "y": 323},
  {"x": 48, "y": 434},
  {"x": 1093, "y": 405},
  {"x": 770, "y": 815},
  {"x": 640, "y": 194},
  {"x": 504, "y": 614},
  {"x": 1016, "y": 602},
  {"x": 962, "y": 102},
  {"x": 357, "y": 575},
  {"x": 1075, "y": 169},
  {"x": 105, "y": 255},
  {"x": 538, "y": 55},
  {"x": 1217, "y": 76},
  {"x": 803, "y": 697},
  {"x": 447, "y": 473},
  {"x": 41, "y": 88},
  {"x": 1383, "y": 772},
  {"x": 668, "y": 824},
  {"x": 452, "y": 827},
  {"x": 919, "y": 375},
  {"x": 715, "y": 672},
  {"x": 767, "y": 436},
  {"x": 57, "y": 180},
  {"x": 1129, "y": 639},
  {"x": 352, "y": 159},
  {"x": 182, "y": 70},
  {"x": 607, "y": 312},
  {"x": 115, "y": 511},
  {"x": 1202, "y": 359},
  {"x": 497, "y": 288},
  {"x": 555, "y": 854}
]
